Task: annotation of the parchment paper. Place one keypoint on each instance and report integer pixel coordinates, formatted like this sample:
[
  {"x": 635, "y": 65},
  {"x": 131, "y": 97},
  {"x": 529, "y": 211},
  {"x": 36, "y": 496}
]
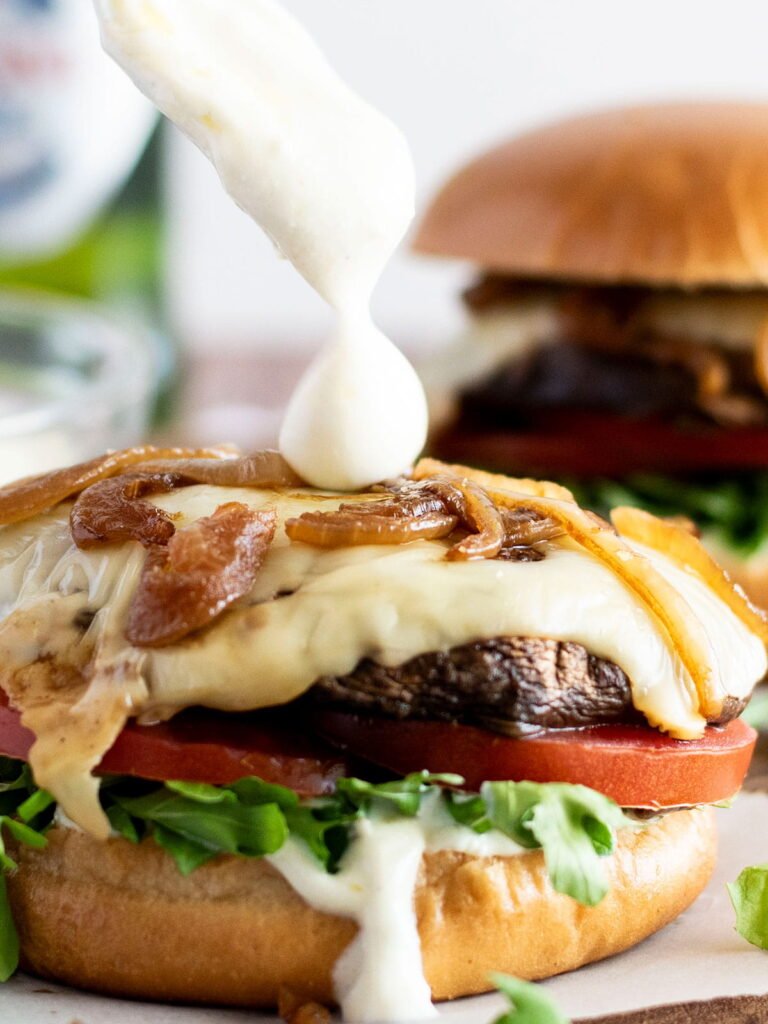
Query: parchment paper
[{"x": 699, "y": 957}]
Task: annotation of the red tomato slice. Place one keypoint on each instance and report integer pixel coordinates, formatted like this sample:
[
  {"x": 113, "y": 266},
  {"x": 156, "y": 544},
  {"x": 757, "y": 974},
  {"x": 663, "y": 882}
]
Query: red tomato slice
[
  {"x": 635, "y": 765},
  {"x": 576, "y": 443},
  {"x": 207, "y": 746}
]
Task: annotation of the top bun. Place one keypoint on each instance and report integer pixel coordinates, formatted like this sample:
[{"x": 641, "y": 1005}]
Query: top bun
[{"x": 673, "y": 194}]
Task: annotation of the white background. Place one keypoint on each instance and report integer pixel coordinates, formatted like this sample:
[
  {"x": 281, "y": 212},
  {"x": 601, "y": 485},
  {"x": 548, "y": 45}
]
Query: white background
[{"x": 456, "y": 75}]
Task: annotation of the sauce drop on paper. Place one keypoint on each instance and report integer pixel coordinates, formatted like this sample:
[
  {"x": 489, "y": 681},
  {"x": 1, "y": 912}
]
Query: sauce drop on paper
[{"x": 328, "y": 178}]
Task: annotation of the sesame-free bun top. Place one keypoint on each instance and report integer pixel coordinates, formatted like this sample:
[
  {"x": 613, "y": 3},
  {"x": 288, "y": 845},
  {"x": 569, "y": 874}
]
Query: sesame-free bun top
[{"x": 672, "y": 194}]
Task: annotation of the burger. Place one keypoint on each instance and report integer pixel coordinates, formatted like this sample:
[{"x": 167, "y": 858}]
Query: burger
[
  {"x": 258, "y": 739},
  {"x": 618, "y": 325}
]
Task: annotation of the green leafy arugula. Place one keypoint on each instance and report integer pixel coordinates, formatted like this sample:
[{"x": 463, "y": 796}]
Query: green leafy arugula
[
  {"x": 194, "y": 822},
  {"x": 733, "y": 508},
  {"x": 530, "y": 1004},
  {"x": 25, "y": 813},
  {"x": 749, "y": 896},
  {"x": 575, "y": 827}
]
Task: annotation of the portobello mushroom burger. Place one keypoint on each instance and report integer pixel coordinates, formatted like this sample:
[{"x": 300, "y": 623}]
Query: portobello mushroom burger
[
  {"x": 617, "y": 335},
  {"x": 257, "y": 737}
]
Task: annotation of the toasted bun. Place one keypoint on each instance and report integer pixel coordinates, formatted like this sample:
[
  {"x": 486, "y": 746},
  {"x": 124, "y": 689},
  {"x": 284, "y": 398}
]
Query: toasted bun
[
  {"x": 120, "y": 919},
  {"x": 673, "y": 194}
]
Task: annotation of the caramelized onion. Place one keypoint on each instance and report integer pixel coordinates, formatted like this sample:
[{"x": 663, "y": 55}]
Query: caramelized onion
[
  {"x": 475, "y": 510},
  {"x": 112, "y": 511},
  {"x": 426, "y": 468},
  {"x": 261, "y": 469},
  {"x": 674, "y": 540},
  {"x": 524, "y": 527},
  {"x": 354, "y": 525},
  {"x": 30, "y": 497},
  {"x": 427, "y": 509},
  {"x": 203, "y": 569}
]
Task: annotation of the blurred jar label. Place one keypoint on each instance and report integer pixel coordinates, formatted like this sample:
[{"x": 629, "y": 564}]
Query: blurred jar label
[{"x": 71, "y": 126}]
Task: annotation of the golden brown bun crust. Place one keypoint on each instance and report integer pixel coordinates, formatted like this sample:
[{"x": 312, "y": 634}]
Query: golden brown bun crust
[
  {"x": 674, "y": 194},
  {"x": 120, "y": 919}
]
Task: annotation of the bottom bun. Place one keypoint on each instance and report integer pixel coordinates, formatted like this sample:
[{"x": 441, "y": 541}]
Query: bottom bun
[{"x": 120, "y": 919}]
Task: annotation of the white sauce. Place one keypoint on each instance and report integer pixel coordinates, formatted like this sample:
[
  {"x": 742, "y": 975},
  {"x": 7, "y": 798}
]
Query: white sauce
[
  {"x": 380, "y": 975},
  {"x": 327, "y": 177}
]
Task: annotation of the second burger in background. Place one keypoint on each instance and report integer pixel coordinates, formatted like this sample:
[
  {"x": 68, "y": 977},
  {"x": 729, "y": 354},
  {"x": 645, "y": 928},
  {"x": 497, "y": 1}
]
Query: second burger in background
[{"x": 618, "y": 332}]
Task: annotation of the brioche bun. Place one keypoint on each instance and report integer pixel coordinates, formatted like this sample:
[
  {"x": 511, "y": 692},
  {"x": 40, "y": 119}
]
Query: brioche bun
[
  {"x": 672, "y": 194},
  {"x": 120, "y": 919}
]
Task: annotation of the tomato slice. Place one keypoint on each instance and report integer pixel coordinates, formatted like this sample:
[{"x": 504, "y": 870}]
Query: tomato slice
[
  {"x": 635, "y": 765},
  {"x": 207, "y": 746},
  {"x": 582, "y": 443}
]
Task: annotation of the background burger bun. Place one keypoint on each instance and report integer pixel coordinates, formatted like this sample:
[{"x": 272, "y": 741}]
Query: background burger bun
[
  {"x": 121, "y": 919},
  {"x": 673, "y": 194}
]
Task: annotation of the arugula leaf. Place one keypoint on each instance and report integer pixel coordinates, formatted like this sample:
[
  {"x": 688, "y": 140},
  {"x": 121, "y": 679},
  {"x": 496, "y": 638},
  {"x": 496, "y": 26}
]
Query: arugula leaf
[
  {"x": 575, "y": 827},
  {"x": 14, "y": 775},
  {"x": 24, "y": 834},
  {"x": 530, "y": 1003},
  {"x": 470, "y": 811},
  {"x": 749, "y": 896},
  {"x": 123, "y": 823},
  {"x": 254, "y": 791},
  {"x": 189, "y": 856},
  {"x": 404, "y": 795},
  {"x": 34, "y": 805},
  {"x": 327, "y": 838},
  {"x": 202, "y": 793},
  {"x": 9, "y": 939},
  {"x": 249, "y": 830}
]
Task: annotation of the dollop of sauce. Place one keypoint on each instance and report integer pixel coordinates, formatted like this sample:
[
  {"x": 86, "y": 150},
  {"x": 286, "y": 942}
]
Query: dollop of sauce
[{"x": 327, "y": 177}]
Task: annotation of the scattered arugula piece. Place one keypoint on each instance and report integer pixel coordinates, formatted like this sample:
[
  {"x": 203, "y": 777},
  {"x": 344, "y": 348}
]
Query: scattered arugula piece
[
  {"x": 9, "y": 939},
  {"x": 19, "y": 798},
  {"x": 732, "y": 507},
  {"x": 530, "y": 1003},
  {"x": 575, "y": 827},
  {"x": 749, "y": 896}
]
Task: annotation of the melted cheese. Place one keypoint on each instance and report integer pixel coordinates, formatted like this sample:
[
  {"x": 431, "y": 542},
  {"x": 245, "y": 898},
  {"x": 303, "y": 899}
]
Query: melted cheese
[{"x": 315, "y": 612}]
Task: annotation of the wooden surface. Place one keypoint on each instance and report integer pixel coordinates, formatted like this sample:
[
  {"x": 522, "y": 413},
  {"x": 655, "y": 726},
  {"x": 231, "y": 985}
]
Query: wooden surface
[{"x": 240, "y": 399}]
